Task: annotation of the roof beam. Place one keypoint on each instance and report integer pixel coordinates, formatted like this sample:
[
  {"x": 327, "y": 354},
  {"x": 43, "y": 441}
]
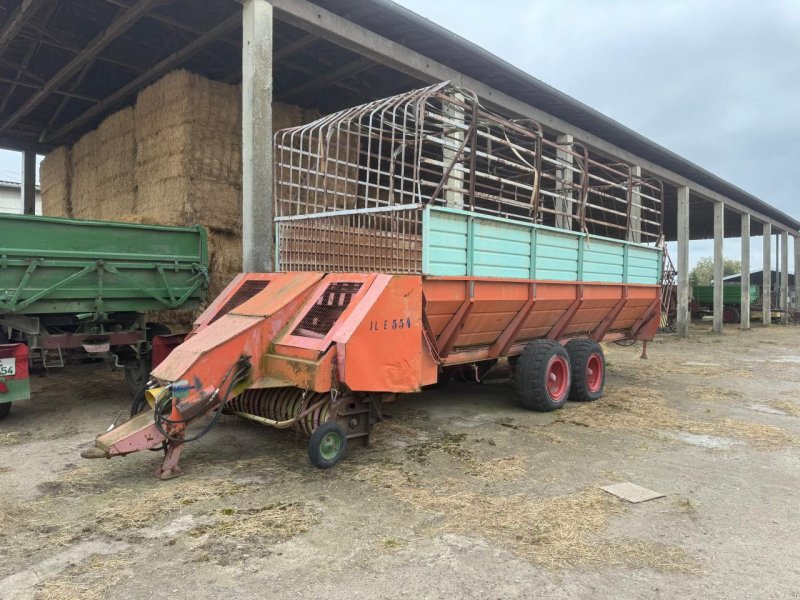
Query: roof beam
[
  {"x": 338, "y": 30},
  {"x": 67, "y": 93},
  {"x": 294, "y": 47},
  {"x": 167, "y": 64},
  {"x": 332, "y": 77},
  {"x": 175, "y": 23},
  {"x": 117, "y": 27},
  {"x": 17, "y": 20}
]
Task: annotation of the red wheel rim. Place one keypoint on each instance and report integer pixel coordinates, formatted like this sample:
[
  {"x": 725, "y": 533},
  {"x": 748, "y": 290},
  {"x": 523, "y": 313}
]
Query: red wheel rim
[
  {"x": 594, "y": 373},
  {"x": 557, "y": 375}
]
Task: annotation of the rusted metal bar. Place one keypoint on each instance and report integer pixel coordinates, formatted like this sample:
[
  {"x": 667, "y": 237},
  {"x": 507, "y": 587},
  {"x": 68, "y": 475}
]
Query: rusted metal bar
[
  {"x": 563, "y": 322},
  {"x": 602, "y": 329},
  {"x": 509, "y": 336}
]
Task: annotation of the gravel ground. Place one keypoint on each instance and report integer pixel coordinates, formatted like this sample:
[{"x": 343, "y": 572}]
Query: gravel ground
[{"x": 461, "y": 493}]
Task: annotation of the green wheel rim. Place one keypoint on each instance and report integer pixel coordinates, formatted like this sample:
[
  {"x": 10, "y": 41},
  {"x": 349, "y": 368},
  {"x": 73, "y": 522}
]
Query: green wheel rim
[{"x": 329, "y": 445}]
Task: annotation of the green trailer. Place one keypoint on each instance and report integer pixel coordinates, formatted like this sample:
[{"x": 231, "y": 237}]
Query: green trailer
[
  {"x": 71, "y": 288},
  {"x": 703, "y": 301}
]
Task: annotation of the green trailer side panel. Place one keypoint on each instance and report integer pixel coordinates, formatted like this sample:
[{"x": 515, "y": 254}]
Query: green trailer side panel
[
  {"x": 50, "y": 265},
  {"x": 458, "y": 243},
  {"x": 731, "y": 294}
]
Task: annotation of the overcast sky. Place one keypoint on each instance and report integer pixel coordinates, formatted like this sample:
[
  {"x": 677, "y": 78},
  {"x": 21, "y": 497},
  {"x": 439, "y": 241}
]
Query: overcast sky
[
  {"x": 718, "y": 82},
  {"x": 715, "y": 81}
]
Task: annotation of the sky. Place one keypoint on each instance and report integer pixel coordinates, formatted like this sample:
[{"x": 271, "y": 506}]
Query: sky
[{"x": 715, "y": 81}]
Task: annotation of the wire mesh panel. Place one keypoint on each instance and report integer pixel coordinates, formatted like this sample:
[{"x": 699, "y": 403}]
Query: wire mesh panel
[{"x": 350, "y": 187}]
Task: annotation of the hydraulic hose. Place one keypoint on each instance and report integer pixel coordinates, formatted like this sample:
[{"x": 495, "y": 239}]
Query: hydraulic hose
[{"x": 165, "y": 397}]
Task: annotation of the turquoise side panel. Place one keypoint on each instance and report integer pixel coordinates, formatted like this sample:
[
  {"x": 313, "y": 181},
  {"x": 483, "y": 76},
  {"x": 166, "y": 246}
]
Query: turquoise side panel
[
  {"x": 557, "y": 256},
  {"x": 644, "y": 264},
  {"x": 501, "y": 250},
  {"x": 446, "y": 244},
  {"x": 603, "y": 261},
  {"x": 459, "y": 243}
]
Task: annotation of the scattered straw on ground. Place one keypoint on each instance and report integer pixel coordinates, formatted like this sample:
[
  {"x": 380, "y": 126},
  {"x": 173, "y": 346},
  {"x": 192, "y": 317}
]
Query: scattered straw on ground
[
  {"x": 11, "y": 438},
  {"x": 553, "y": 531},
  {"x": 274, "y": 522},
  {"x": 788, "y": 406},
  {"x": 139, "y": 508},
  {"x": 712, "y": 394},
  {"x": 88, "y": 581},
  {"x": 643, "y": 410},
  {"x": 504, "y": 468}
]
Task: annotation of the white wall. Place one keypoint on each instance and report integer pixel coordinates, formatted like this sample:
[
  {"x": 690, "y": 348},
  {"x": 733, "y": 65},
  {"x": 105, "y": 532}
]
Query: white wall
[{"x": 11, "y": 200}]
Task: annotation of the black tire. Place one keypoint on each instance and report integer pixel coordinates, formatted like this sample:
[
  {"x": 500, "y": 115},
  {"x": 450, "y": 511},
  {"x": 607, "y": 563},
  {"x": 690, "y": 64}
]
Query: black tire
[
  {"x": 137, "y": 376},
  {"x": 5, "y": 409},
  {"x": 532, "y": 377},
  {"x": 154, "y": 329},
  {"x": 730, "y": 314},
  {"x": 588, "y": 365},
  {"x": 327, "y": 445},
  {"x": 139, "y": 402}
]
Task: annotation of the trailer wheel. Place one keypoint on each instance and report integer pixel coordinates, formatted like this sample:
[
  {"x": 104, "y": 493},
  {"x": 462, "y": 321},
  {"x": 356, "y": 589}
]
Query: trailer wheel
[
  {"x": 730, "y": 314},
  {"x": 542, "y": 376},
  {"x": 5, "y": 409},
  {"x": 137, "y": 376},
  {"x": 327, "y": 445},
  {"x": 588, "y": 369}
]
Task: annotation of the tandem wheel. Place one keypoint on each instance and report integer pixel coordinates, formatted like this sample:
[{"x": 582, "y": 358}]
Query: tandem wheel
[
  {"x": 327, "y": 445},
  {"x": 588, "y": 369},
  {"x": 543, "y": 376},
  {"x": 5, "y": 409}
]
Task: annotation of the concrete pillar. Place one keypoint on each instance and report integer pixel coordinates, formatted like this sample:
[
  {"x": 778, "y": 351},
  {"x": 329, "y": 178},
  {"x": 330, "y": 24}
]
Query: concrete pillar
[
  {"x": 796, "y": 273},
  {"x": 28, "y": 187},
  {"x": 635, "y": 234},
  {"x": 784, "y": 278},
  {"x": 258, "y": 211},
  {"x": 745, "y": 308},
  {"x": 564, "y": 182},
  {"x": 454, "y": 195},
  {"x": 766, "y": 297},
  {"x": 719, "y": 263},
  {"x": 683, "y": 317}
]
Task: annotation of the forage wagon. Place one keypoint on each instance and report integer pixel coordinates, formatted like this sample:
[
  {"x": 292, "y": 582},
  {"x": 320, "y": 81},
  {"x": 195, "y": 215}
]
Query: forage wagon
[{"x": 415, "y": 235}]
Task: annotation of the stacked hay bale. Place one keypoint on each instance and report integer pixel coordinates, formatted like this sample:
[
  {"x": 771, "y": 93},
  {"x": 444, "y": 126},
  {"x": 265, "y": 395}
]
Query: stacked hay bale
[
  {"x": 103, "y": 160},
  {"x": 173, "y": 159},
  {"x": 55, "y": 177}
]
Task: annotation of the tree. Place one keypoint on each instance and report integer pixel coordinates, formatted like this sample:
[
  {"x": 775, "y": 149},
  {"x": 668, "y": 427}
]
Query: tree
[{"x": 703, "y": 272}]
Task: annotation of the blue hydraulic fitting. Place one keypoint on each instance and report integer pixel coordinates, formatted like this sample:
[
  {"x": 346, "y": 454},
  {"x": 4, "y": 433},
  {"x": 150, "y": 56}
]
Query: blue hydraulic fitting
[{"x": 181, "y": 389}]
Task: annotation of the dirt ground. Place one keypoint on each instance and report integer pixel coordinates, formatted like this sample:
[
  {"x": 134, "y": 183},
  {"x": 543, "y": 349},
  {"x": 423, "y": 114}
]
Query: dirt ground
[{"x": 462, "y": 494}]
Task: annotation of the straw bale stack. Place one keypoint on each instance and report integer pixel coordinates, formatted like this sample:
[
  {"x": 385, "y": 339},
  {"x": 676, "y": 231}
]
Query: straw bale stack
[
  {"x": 103, "y": 161},
  {"x": 55, "y": 176},
  {"x": 173, "y": 159},
  {"x": 189, "y": 161}
]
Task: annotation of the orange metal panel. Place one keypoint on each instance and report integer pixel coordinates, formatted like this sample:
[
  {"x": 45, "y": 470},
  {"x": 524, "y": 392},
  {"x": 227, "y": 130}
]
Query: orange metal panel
[
  {"x": 274, "y": 296},
  {"x": 381, "y": 349},
  {"x": 314, "y": 375},
  {"x": 322, "y": 344}
]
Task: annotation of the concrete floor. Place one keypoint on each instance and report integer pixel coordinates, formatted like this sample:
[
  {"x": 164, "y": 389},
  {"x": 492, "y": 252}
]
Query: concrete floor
[{"x": 461, "y": 494}]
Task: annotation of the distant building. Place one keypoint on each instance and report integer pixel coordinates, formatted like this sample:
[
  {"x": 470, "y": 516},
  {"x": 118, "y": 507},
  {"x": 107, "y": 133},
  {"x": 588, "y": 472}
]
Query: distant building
[
  {"x": 11, "y": 198},
  {"x": 757, "y": 278}
]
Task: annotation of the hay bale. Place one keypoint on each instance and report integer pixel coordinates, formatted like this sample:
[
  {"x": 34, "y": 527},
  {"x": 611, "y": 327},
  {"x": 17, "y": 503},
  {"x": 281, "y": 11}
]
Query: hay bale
[
  {"x": 55, "y": 176},
  {"x": 189, "y": 161},
  {"x": 103, "y": 163},
  {"x": 116, "y": 164},
  {"x": 225, "y": 260}
]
